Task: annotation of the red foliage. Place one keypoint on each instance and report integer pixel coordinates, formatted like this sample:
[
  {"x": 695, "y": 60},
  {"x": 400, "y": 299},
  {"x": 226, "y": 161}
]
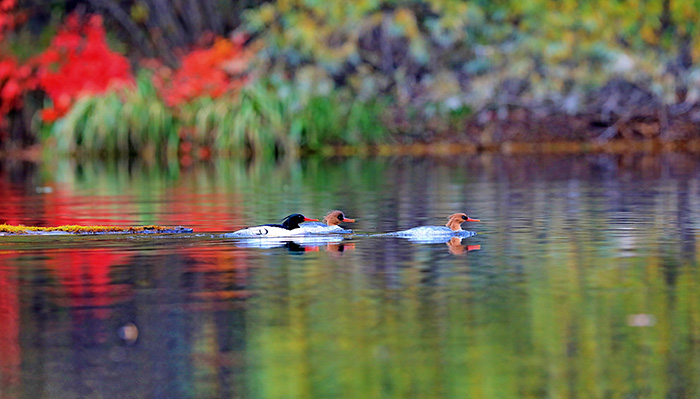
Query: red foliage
[
  {"x": 8, "y": 17},
  {"x": 14, "y": 81},
  {"x": 78, "y": 62},
  {"x": 208, "y": 72}
]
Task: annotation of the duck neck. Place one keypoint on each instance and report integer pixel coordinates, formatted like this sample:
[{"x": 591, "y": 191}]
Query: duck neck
[
  {"x": 290, "y": 225},
  {"x": 454, "y": 225}
]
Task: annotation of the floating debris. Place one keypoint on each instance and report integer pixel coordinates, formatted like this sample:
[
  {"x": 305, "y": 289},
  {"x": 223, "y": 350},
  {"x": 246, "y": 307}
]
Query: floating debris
[
  {"x": 7, "y": 229},
  {"x": 641, "y": 320},
  {"x": 44, "y": 190},
  {"x": 128, "y": 333}
]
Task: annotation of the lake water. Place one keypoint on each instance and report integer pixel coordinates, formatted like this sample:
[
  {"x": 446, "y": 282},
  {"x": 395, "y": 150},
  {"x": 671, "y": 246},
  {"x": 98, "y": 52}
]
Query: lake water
[{"x": 581, "y": 283}]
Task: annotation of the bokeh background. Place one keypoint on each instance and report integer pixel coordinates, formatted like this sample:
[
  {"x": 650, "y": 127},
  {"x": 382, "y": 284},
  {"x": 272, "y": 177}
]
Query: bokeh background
[{"x": 191, "y": 79}]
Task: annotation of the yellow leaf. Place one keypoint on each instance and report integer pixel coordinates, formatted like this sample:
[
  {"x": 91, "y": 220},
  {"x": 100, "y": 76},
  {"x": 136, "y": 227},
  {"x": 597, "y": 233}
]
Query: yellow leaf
[
  {"x": 405, "y": 18},
  {"x": 648, "y": 34},
  {"x": 267, "y": 13}
]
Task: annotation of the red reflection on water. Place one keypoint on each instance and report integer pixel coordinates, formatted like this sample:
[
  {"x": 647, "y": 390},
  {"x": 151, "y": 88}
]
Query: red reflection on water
[
  {"x": 15, "y": 204},
  {"x": 203, "y": 212},
  {"x": 63, "y": 208},
  {"x": 85, "y": 281},
  {"x": 64, "y": 205},
  {"x": 225, "y": 273},
  {"x": 10, "y": 355}
]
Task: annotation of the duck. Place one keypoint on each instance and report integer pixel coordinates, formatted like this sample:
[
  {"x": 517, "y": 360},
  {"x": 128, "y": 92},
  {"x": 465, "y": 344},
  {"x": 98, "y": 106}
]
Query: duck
[
  {"x": 329, "y": 225},
  {"x": 288, "y": 227},
  {"x": 453, "y": 227}
]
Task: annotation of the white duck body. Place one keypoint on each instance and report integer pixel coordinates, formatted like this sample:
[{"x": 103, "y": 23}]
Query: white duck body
[
  {"x": 453, "y": 228},
  {"x": 436, "y": 233},
  {"x": 288, "y": 228},
  {"x": 322, "y": 228},
  {"x": 330, "y": 224},
  {"x": 265, "y": 232}
]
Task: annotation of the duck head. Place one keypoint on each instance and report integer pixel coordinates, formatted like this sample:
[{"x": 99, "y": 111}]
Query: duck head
[
  {"x": 292, "y": 221},
  {"x": 334, "y": 218},
  {"x": 454, "y": 222}
]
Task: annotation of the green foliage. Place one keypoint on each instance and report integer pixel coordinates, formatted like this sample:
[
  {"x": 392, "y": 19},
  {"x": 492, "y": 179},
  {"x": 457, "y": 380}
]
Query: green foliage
[
  {"x": 117, "y": 123},
  {"x": 360, "y": 122},
  {"x": 464, "y": 51},
  {"x": 442, "y": 60},
  {"x": 267, "y": 117},
  {"x": 274, "y": 115}
]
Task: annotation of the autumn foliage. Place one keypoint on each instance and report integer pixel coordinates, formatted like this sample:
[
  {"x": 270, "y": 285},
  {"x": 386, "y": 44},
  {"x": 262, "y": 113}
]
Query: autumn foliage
[
  {"x": 209, "y": 72},
  {"x": 14, "y": 80},
  {"x": 78, "y": 62},
  {"x": 9, "y": 17}
]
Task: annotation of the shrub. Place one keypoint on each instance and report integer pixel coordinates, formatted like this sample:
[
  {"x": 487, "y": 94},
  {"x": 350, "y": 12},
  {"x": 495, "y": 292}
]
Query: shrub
[
  {"x": 79, "y": 63},
  {"x": 14, "y": 81}
]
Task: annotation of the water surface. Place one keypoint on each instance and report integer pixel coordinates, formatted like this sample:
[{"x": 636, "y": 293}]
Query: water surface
[{"x": 582, "y": 280}]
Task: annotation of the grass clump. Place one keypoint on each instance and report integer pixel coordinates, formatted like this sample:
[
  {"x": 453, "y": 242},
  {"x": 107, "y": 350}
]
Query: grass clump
[{"x": 264, "y": 119}]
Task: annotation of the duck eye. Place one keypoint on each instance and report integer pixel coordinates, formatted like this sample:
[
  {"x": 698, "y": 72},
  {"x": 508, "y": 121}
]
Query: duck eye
[
  {"x": 464, "y": 218},
  {"x": 341, "y": 217}
]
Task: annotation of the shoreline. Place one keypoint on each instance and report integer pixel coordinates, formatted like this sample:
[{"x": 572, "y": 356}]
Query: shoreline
[
  {"x": 558, "y": 147},
  {"x": 445, "y": 148}
]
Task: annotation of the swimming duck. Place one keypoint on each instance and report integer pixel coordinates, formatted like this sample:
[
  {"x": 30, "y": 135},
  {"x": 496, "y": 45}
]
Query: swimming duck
[
  {"x": 288, "y": 227},
  {"x": 453, "y": 227},
  {"x": 330, "y": 224}
]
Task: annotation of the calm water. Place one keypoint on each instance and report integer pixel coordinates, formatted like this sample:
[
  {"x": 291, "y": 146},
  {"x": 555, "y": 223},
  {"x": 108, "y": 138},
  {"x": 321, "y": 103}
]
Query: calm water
[{"x": 582, "y": 282}]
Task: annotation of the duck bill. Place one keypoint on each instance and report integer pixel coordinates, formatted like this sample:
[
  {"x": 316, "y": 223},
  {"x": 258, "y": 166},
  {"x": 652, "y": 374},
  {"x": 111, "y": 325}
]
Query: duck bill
[
  {"x": 472, "y": 220},
  {"x": 348, "y": 220},
  {"x": 310, "y": 220}
]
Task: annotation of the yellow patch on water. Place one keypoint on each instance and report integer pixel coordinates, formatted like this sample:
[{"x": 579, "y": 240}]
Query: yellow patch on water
[{"x": 76, "y": 229}]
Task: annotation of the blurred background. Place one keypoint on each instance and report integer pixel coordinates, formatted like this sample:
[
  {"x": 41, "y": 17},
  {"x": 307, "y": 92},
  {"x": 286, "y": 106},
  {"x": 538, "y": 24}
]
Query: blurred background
[
  {"x": 191, "y": 79},
  {"x": 570, "y": 128}
]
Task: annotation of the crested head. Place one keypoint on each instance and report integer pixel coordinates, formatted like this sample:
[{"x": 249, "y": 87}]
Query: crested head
[
  {"x": 454, "y": 221},
  {"x": 292, "y": 221},
  {"x": 333, "y": 218}
]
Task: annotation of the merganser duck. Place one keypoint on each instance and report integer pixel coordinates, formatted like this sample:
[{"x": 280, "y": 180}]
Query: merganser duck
[
  {"x": 289, "y": 227},
  {"x": 330, "y": 224},
  {"x": 453, "y": 227}
]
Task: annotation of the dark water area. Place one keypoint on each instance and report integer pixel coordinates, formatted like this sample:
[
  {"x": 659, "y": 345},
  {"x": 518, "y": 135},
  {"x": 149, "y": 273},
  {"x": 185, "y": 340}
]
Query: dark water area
[{"x": 582, "y": 281}]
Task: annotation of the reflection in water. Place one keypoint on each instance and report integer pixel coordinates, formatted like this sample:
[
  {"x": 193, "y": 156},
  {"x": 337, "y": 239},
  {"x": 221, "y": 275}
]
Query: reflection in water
[
  {"x": 582, "y": 284},
  {"x": 301, "y": 243},
  {"x": 456, "y": 248},
  {"x": 453, "y": 242},
  {"x": 10, "y": 353}
]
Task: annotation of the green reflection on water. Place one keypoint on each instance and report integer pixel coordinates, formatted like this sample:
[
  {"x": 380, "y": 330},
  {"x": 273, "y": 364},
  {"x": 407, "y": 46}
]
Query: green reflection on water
[
  {"x": 586, "y": 285},
  {"x": 562, "y": 328}
]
